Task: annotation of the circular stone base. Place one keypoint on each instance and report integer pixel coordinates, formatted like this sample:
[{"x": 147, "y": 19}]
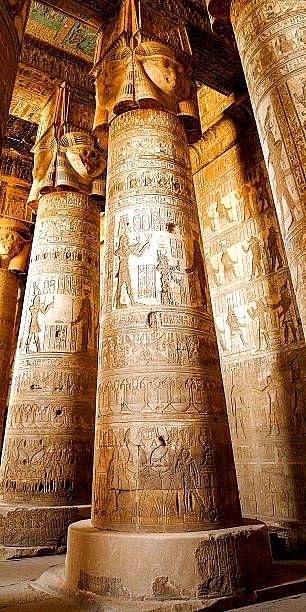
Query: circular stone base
[{"x": 167, "y": 566}]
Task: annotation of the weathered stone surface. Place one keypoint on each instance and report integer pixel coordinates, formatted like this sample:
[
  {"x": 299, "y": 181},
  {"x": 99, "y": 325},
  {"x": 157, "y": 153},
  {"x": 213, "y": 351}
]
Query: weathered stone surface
[
  {"x": 182, "y": 566},
  {"x": 31, "y": 530}
]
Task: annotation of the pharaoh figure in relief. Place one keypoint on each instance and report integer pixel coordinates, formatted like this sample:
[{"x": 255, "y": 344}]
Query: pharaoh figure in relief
[
  {"x": 163, "y": 458},
  {"x": 47, "y": 456}
]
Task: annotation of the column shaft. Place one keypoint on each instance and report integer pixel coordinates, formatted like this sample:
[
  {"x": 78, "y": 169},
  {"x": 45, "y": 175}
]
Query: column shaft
[
  {"x": 8, "y": 299},
  {"x": 163, "y": 454},
  {"x": 272, "y": 50},
  {"x": 48, "y": 444},
  {"x": 261, "y": 344}
]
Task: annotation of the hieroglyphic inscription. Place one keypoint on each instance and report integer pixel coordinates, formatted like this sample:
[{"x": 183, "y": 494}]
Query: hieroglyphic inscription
[
  {"x": 271, "y": 44},
  {"x": 161, "y": 429},
  {"x": 49, "y": 435}
]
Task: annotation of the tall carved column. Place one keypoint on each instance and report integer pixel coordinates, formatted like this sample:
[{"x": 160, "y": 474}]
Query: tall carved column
[
  {"x": 270, "y": 41},
  {"x": 13, "y": 17},
  {"x": 48, "y": 447},
  {"x": 15, "y": 241},
  {"x": 165, "y": 498},
  {"x": 261, "y": 343}
]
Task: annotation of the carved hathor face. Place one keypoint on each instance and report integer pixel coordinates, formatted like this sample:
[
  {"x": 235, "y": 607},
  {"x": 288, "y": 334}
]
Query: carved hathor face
[
  {"x": 85, "y": 158},
  {"x": 168, "y": 75}
]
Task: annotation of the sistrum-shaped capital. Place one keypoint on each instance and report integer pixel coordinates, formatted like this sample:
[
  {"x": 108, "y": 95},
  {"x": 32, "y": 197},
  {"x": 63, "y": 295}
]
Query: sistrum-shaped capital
[{"x": 142, "y": 62}]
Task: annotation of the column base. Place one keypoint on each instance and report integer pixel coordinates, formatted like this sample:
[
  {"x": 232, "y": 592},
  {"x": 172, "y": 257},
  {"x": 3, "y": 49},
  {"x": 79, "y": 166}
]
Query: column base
[
  {"x": 30, "y": 531},
  {"x": 288, "y": 538},
  {"x": 180, "y": 567}
]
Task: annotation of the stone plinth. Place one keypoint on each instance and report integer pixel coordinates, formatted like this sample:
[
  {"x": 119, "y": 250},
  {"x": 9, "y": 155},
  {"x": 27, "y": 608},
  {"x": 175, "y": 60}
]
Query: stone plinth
[
  {"x": 166, "y": 566},
  {"x": 29, "y": 530}
]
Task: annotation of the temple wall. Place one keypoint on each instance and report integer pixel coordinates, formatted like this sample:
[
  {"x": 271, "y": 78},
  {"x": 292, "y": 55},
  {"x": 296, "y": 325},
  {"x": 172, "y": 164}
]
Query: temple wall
[{"x": 258, "y": 327}]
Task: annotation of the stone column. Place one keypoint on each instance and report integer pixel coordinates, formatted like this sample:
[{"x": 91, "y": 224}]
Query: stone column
[
  {"x": 165, "y": 498},
  {"x": 15, "y": 241},
  {"x": 48, "y": 447},
  {"x": 13, "y": 17},
  {"x": 261, "y": 343},
  {"x": 270, "y": 41},
  {"x": 14, "y": 247},
  {"x": 8, "y": 300}
]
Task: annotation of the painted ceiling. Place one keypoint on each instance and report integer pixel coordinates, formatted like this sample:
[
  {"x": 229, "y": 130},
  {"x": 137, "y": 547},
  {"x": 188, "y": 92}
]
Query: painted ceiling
[{"x": 61, "y": 30}]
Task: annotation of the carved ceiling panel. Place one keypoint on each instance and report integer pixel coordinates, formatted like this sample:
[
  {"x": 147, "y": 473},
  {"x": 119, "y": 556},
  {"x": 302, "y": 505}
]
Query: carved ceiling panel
[
  {"x": 61, "y": 30},
  {"x": 61, "y": 36}
]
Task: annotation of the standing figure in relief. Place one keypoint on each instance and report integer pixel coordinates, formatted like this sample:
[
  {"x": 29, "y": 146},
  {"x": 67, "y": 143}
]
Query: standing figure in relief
[
  {"x": 273, "y": 248},
  {"x": 222, "y": 211},
  {"x": 261, "y": 312},
  {"x": 85, "y": 317},
  {"x": 34, "y": 328},
  {"x": 285, "y": 314},
  {"x": 275, "y": 160},
  {"x": 124, "y": 250},
  {"x": 245, "y": 198},
  {"x": 212, "y": 272},
  {"x": 254, "y": 247},
  {"x": 198, "y": 266},
  {"x": 235, "y": 325},
  {"x": 228, "y": 266},
  {"x": 164, "y": 270},
  {"x": 272, "y": 388}
]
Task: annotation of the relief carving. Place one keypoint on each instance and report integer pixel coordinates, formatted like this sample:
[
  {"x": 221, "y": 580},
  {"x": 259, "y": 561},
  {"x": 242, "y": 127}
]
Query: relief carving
[{"x": 258, "y": 330}]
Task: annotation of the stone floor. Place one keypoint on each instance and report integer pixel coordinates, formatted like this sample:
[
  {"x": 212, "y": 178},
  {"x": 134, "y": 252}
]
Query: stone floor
[{"x": 18, "y": 591}]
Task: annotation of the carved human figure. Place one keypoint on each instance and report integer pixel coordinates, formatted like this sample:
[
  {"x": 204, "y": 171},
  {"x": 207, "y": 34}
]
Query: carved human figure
[
  {"x": 261, "y": 313},
  {"x": 272, "y": 389},
  {"x": 238, "y": 408},
  {"x": 298, "y": 396},
  {"x": 165, "y": 271},
  {"x": 273, "y": 248},
  {"x": 197, "y": 266},
  {"x": 34, "y": 328},
  {"x": 123, "y": 252},
  {"x": 246, "y": 202},
  {"x": 275, "y": 160},
  {"x": 235, "y": 325},
  {"x": 212, "y": 272},
  {"x": 261, "y": 187},
  {"x": 255, "y": 249},
  {"x": 186, "y": 466},
  {"x": 208, "y": 220},
  {"x": 286, "y": 317},
  {"x": 222, "y": 210},
  {"x": 85, "y": 318},
  {"x": 228, "y": 266}
]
